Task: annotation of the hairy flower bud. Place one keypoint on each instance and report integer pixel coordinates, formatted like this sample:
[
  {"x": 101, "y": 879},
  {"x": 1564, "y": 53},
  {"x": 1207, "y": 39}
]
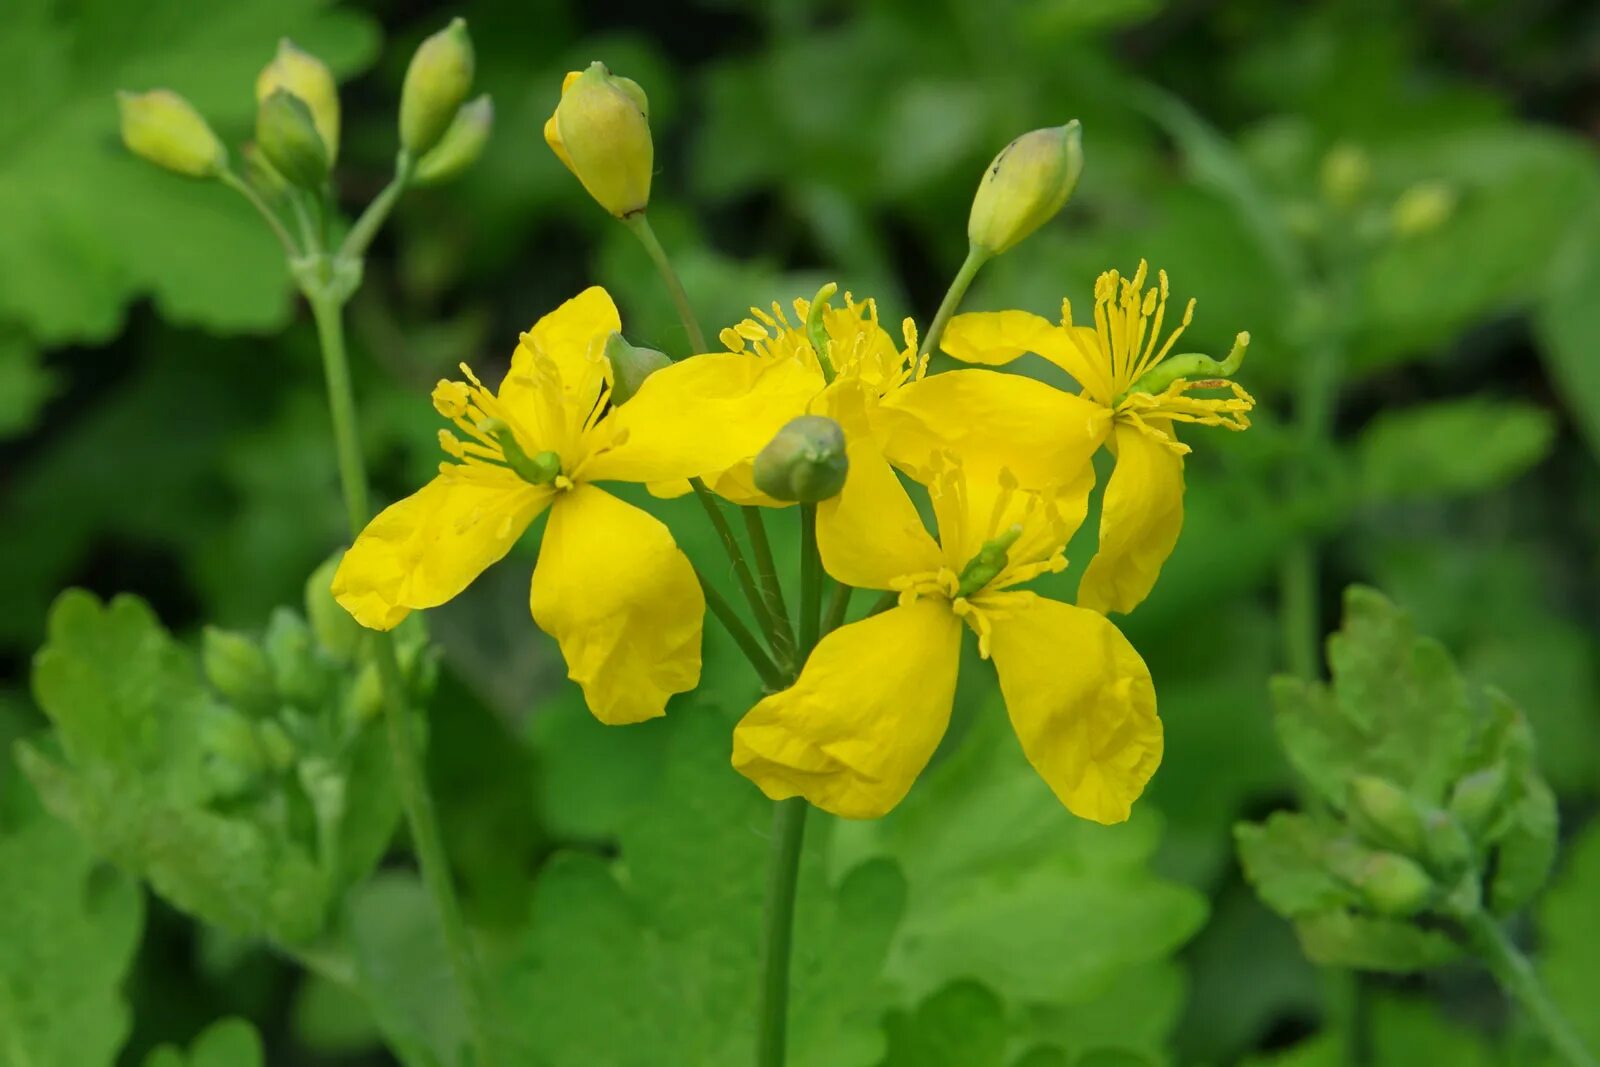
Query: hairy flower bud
[
  {"x": 162, "y": 127},
  {"x": 1028, "y": 182},
  {"x": 805, "y": 461},
  {"x": 304, "y": 75},
  {"x": 460, "y": 146},
  {"x": 1384, "y": 814},
  {"x": 236, "y": 667},
  {"x": 1478, "y": 796},
  {"x": 630, "y": 366},
  {"x": 1394, "y": 885},
  {"x": 436, "y": 83},
  {"x": 288, "y": 138},
  {"x": 601, "y": 131}
]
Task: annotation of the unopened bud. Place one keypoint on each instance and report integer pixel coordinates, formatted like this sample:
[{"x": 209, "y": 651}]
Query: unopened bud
[
  {"x": 336, "y": 630},
  {"x": 236, "y": 667},
  {"x": 1422, "y": 209},
  {"x": 1477, "y": 797},
  {"x": 1446, "y": 846},
  {"x": 630, "y": 366},
  {"x": 460, "y": 146},
  {"x": 307, "y": 77},
  {"x": 364, "y": 700},
  {"x": 1384, "y": 814},
  {"x": 162, "y": 127},
  {"x": 261, "y": 174},
  {"x": 1028, "y": 182},
  {"x": 805, "y": 461},
  {"x": 601, "y": 131},
  {"x": 276, "y": 746},
  {"x": 1394, "y": 885},
  {"x": 288, "y": 138},
  {"x": 232, "y": 754},
  {"x": 1345, "y": 173},
  {"x": 436, "y": 83}
]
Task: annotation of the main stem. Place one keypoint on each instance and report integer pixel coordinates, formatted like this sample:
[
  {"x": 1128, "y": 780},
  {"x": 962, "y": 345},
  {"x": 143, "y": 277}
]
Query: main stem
[
  {"x": 1516, "y": 976},
  {"x": 658, "y": 255},
  {"x": 788, "y": 834},
  {"x": 976, "y": 258},
  {"x": 420, "y": 816}
]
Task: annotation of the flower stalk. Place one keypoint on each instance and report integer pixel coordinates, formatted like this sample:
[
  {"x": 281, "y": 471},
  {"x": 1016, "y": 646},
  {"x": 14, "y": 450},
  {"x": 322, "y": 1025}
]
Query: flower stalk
[{"x": 1516, "y": 976}]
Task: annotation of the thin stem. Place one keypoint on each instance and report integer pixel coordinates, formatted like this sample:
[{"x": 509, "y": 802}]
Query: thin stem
[
  {"x": 788, "y": 834},
  {"x": 658, "y": 255},
  {"x": 748, "y": 643},
  {"x": 372, "y": 219},
  {"x": 248, "y": 191},
  {"x": 976, "y": 258},
  {"x": 741, "y": 568},
  {"x": 810, "y": 582},
  {"x": 771, "y": 588},
  {"x": 1516, "y": 976},
  {"x": 410, "y": 776},
  {"x": 838, "y": 607}
]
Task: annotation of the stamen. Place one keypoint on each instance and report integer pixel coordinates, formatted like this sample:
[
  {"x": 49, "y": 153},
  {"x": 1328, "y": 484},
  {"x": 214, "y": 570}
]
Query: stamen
[{"x": 731, "y": 340}]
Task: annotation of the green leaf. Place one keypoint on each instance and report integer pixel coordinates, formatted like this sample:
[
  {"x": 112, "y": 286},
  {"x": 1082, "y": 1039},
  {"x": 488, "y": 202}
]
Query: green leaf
[
  {"x": 1449, "y": 447},
  {"x": 1285, "y": 858},
  {"x": 1567, "y": 322},
  {"x": 228, "y": 1043},
  {"x": 69, "y": 928},
  {"x": 25, "y": 384},
  {"x": 961, "y": 1025},
  {"x": 1346, "y": 939},
  {"x": 1570, "y": 937},
  {"x": 90, "y": 227}
]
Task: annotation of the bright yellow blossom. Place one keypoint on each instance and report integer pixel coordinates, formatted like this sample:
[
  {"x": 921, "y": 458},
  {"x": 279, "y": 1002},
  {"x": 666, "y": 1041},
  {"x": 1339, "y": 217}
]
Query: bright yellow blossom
[
  {"x": 868, "y": 710},
  {"x": 1133, "y": 392},
  {"x": 610, "y": 585}
]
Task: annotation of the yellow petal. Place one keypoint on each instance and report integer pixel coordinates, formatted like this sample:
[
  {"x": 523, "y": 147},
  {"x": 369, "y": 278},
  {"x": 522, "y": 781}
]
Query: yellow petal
[
  {"x": 573, "y": 336},
  {"x": 738, "y": 484},
  {"x": 993, "y": 422},
  {"x": 421, "y": 551},
  {"x": 613, "y": 589},
  {"x": 1140, "y": 518},
  {"x": 865, "y": 716},
  {"x": 871, "y": 534},
  {"x": 700, "y": 416},
  {"x": 1081, "y": 701},
  {"x": 994, "y": 338}
]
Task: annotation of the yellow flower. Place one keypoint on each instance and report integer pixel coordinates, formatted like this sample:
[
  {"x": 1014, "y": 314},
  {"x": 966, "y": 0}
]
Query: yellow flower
[
  {"x": 862, "y": 720},
  {"x": 610, "y": 585},
  {"x": 1133, "y": 392}
]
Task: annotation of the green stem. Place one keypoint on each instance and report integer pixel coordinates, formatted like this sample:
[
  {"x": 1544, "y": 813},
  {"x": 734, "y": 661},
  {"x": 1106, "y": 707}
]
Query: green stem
[
  {"x": 741, "y": 568},
  {"x": 771, "y": 588},
  {"x": 976, "y": 258},
  {"x": 810, "y": 582},
  {"x": 367, "y": 226},
  {"x": 838, "y": 606},
  {"x": 640, "y": 226},
  {"x": 771, "y": 676},
  {"x": 409, "y": 774},
  {"x": 788, "y": 834},
  {"x": 248, "y": 191},
  {"x": 1516, "y": 976}
]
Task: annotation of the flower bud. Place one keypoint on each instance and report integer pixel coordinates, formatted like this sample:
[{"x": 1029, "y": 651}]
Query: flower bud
[
  {"x": 436, "y": 83},
  {"x": 231, "y": 752},
  {"x": 805, "y": 461},
  {"x": 460, "y": 146},
  {"x": 1025, "y": 186},
  {"x": 1478, "y": 796},
  {"x": 288, "y": 138},
  {"x": 162, "y": 127},
  {"x": 276, "y": 746},
  {"x": 1346, "y": 170},
  {"x": 1394, "y": 885},
  {"x": 1422, "y": 209},
  {"x": 601, "y": 131},
  {"x": 630, "y": 366},
  {"x": 1445, "y": 844},
  {"x": 304, "y": 75},
  {"x": 1384, "y": 814},
  {"x": 236, "y": 667},
  {"x": 336, "y": 630}
]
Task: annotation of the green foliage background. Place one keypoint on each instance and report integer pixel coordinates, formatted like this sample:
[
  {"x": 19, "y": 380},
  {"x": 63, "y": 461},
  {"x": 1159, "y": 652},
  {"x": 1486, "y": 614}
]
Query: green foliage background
[{"x": 164, "y": 434}]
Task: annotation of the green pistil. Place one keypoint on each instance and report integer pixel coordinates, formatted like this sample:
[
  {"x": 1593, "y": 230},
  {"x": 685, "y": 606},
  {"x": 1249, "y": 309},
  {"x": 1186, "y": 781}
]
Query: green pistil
[
  {"x": 986, "y": 566},
  {"x": 817, "y": 331},
  {"x": 1190, "y": 365},
  {"x": 540, "y": 469}
]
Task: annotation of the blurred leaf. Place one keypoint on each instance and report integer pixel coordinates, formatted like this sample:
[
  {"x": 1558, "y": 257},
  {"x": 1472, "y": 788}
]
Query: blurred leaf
[
  {"x": 229, "y": 1043},
  {"x": 961, "y": 1025},
  {"x": 1284, "y": 859},
  {"x": 25, "y": 384},
  {"x": 1365, "y": 942},
  {"x": 90, "y": 227},
  {"x": 1568, "y": 322},
  {"x": 1452, "y": 446},
  {"x": 69, "y": 928},
  {"x": 1570, "y": 936},
  {"x": 332, "y": 1019}
]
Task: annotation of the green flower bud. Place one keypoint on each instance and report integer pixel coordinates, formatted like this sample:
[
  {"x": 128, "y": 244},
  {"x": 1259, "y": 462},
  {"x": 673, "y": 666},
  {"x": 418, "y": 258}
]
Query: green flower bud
[
  {"x": 276, "y": 746},
  {"x": 336, "y": 630},
  {"x": 630, "y": 366},
  {"x": 304, "y": 75},
  {"x": 288, "y": 138},
  {"x": 1346, "y": 170},
  {"x": 436, "y": 83},
  {"x": 805, "y": 461},
  {"x": 236, "y": 667},
  {"x": 601, "y": 130},
  {"x": 1478, "y": 797},
  {"x": 460, "y": 146},
  {"x": 1028, "y": 182},
  {"x": 1422, "y": 209},
  {"x": 299, "y": 678},
  {"x": 233, "y": 755},
  {"x": 1445, "y": 845},
  {"x": 1384, "y": 814},
  {"x": 1393, "y": 885},
  {"x": 261, "y": 174},
  {"x": 162, "y": 127},
  {"x": 364, "y": 700}
]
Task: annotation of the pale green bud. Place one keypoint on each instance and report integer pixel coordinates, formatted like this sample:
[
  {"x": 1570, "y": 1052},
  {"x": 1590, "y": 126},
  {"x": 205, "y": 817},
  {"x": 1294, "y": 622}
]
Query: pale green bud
[
  {"x": 336, "y": 630},
  {"x": 437, "y": 81},
  {"x": 1346, "y": 170},
  {"x": 1446, "y": 846},
  {"x": 304, "y": 75},
  {"x": 460, "y": 146},
  {"x": 1422, "y": 209},
  {"x": 601, "y": 130},
  {"x": 232, "y": 752},
  {"x": 1478, "y": 796},
  {"x": 1394, "y": 885},
  {"x": 276, "y": 746},
  {"x": 1026, "y": 185},
  {"x": 236, "y": 667},
  {"x": 630, "y": 366},
  {"x": 162, "y": 127},
  {"x": 1384, "y": 814},
  {"x": 288, "y": 138},
  {"x": 805, "y": 461}
]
